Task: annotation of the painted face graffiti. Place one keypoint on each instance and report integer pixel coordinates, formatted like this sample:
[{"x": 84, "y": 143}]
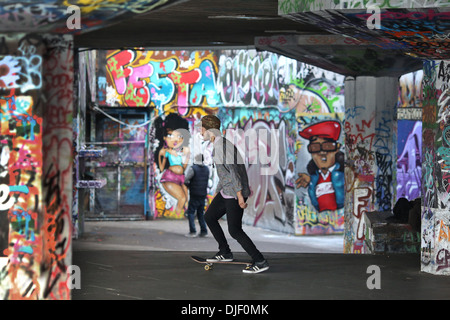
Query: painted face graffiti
[
  {"x": 323, "y": 152},
  {"x": 325, "y": 177}
]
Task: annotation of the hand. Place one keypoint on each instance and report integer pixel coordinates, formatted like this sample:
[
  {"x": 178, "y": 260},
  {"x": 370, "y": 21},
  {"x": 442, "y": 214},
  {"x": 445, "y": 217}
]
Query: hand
[
  {"x": 241, "y": 201},
  {"x": 303, "y": 180}
]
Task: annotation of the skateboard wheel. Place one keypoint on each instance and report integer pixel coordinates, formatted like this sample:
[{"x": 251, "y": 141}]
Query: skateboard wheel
[{"x": 208, "y": 267}]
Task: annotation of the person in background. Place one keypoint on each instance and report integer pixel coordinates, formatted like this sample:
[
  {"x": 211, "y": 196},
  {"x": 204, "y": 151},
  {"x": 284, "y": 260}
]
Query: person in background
[{"x": 196, "y": 179}]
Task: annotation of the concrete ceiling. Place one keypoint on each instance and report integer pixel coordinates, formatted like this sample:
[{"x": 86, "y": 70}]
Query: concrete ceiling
[
  {"x": 197, "y": 23},
  {"x": 249, "y": 23},
  {"x": 214, "y": 24}
]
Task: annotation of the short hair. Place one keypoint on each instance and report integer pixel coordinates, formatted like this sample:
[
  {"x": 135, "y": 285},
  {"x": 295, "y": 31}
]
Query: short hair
[
  {"x": 199, "y": 158},
  {"x": 211, "y": 122}
]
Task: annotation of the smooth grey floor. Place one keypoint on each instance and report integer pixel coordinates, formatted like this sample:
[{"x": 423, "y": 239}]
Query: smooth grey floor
[{"x": 116, "y": 271}]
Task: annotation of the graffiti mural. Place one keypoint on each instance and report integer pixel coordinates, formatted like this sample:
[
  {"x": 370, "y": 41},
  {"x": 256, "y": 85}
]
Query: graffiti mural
[
  {"x": 160, "y": 79},
  {"x": 436, "y": 187},
  {"x": 36, "y": 166},
  {"x": 172, "y": 155},
  {"x": 409, "y": 159},
  {"x": 250, "y": 91},
  {"x": 320, "y": 175},
  {"x": 272, "y": 201},
  {"x": 409, "y": 128}
]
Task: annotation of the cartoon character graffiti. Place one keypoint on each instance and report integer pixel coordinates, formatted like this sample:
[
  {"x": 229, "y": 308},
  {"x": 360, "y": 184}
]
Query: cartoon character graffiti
[
  {"x": 172, "y": 156},
  {"x": 325, "y": 177}
]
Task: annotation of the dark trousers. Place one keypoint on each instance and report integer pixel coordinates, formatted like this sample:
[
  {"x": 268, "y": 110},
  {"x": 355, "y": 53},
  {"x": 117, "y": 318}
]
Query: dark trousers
[
  {"x": 216, "y": 210},
  {"x": 196, "y": 204}
]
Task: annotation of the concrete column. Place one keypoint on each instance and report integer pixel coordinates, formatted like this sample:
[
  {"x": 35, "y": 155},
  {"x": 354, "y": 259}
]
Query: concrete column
[
  {"x": 370, "y": 144},
  {"x": 435, "y": 226},
  {"x": 36, "y": 100}
]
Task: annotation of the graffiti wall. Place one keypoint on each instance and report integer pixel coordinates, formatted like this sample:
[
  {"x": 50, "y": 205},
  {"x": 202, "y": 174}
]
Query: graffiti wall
[
  {"x": 36, "y": 166},
  {"x": 435, "y": 240},
  {"x": 370, "y": 144},
  {"x": 409, "y": 146},
  {"x": 47, "y": 16},
  {"x": 250, "y": 92}
]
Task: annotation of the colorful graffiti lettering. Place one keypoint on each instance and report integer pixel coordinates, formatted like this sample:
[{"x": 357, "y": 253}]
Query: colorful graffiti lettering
[
  {"x": 36, "y": 175},
  {"x": 213, "y": 79},
  {"x": 148, "y": 79}
]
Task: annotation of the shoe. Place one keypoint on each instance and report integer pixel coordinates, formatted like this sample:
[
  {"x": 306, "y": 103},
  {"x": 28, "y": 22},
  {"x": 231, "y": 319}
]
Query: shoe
[
  {"x": 191, "y": 235},
  {"x": 226, "y": 257},
  {"x": 257, "y": 267},
  {"x": 203, "y": 234}
]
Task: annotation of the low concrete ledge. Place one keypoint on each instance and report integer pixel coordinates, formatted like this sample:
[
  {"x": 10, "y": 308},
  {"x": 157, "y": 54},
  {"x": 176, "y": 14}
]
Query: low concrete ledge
[{"x": 384, "y": 235}]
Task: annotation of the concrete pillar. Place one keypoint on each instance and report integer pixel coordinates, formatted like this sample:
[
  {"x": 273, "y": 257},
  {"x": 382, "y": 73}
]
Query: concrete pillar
[
  {"x": 435, "y": 226},
  {"x": 370, "y": 143},
  {"x": 36, "y": 99}
]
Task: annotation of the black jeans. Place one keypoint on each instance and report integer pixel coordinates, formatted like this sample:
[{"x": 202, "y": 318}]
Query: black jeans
[{"x": 220, "y": 206}]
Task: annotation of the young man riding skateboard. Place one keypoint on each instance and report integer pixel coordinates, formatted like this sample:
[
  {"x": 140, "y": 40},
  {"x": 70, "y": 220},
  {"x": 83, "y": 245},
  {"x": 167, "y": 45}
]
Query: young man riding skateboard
[{"x": 231, "y": 195}]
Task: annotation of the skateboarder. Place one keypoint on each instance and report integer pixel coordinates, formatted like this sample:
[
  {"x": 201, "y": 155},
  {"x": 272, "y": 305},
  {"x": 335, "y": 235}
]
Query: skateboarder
[{"x": 231, "y": 195}]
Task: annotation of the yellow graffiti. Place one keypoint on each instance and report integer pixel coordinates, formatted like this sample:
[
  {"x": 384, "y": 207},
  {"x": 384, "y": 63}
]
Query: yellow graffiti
[
  {"x": 136, "y": 6},
  {"x": 308, "y": 217},
  {"x": 444, "y": 233}
]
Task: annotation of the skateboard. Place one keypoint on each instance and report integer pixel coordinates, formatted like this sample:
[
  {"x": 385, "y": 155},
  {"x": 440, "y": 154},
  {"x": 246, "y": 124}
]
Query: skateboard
[{"x": 209, "y": 265}]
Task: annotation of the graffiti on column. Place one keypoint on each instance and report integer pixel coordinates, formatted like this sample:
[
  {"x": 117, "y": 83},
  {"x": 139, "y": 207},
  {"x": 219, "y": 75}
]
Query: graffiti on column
[
  {"x": 359, "y": 174},
  {"x": 21, "y": 157},
  {"x": 36, "y": 167},
  {"x": 57, "y": 170},
  {"x": 436, "y": 162}
]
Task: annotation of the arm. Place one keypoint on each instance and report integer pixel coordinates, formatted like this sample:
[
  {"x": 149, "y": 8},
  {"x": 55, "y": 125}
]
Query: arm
[
  {"x": 162, "y": 159},
  {"x": 241, "y": 201},
  {"x": 187, "y": 153},
  {"x": 303, "y": 180},
  {"x": 188, "y": 176}
]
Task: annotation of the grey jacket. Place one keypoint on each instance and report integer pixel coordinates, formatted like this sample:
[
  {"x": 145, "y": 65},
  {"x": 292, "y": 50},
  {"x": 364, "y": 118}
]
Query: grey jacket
[{"x": 230, "y": 168}]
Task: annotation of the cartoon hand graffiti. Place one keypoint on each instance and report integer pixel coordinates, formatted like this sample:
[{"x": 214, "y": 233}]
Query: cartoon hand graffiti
[{"x": 325, "y": 177}]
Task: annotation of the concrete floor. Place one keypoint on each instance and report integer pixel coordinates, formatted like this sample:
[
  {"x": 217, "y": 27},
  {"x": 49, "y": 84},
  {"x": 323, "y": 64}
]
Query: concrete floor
[{"x": 150, "y": 260}]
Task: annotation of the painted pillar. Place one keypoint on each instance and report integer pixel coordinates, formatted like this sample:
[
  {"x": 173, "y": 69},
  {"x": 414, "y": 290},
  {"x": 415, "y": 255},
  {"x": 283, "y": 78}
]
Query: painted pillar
[
  {"x": 36, "y": 99},
  {"x": 370, "y": 143},
  {"x": 435, "y": 227}
]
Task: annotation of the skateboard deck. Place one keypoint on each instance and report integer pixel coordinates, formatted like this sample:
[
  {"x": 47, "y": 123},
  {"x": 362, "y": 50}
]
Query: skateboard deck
[{"x": 209, "y": 265}]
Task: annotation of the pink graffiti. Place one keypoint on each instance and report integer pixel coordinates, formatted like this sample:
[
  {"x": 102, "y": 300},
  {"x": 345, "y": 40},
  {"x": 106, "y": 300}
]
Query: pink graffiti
[{"x": 443, "y": 259}]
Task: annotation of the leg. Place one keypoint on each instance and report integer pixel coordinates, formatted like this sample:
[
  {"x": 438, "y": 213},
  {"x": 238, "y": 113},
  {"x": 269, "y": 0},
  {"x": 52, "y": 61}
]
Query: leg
[
  {"x": 215, "y": 211},
  {"x": 200, "y": 215},
  {"x": 176, "y": 191},
  {"x": 191, "y": 215},
  {"x": 186, "y": 193},
  {"x": 234, "y": 218}
]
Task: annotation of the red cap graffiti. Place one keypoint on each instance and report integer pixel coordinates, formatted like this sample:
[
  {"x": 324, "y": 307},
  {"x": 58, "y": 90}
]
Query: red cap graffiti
[{"x": 325, "y": 129}]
